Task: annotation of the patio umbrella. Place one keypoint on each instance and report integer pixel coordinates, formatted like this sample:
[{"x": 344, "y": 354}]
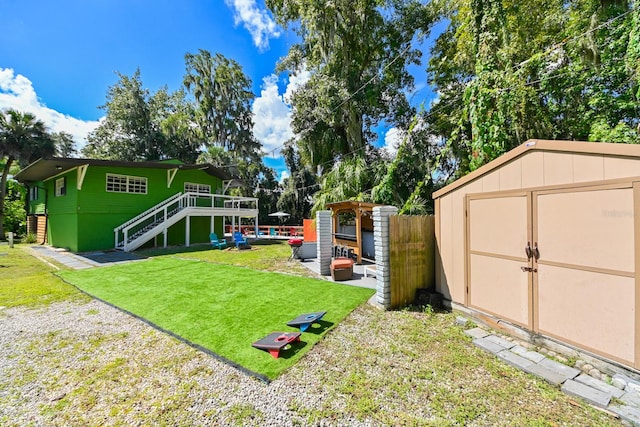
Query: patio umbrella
[{"x": 279, "y": 214}]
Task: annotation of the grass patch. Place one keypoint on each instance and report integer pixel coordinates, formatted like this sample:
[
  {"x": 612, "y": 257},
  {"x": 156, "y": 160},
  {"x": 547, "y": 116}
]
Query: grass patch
[
  {"x": 24, "y": 282},
  {"x": 223, "y": 308},
  {"x": 267, "y": 255}
]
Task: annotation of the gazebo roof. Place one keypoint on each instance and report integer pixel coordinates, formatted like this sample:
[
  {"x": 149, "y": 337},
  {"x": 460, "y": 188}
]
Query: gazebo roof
[{"x": 352, "y": 205}]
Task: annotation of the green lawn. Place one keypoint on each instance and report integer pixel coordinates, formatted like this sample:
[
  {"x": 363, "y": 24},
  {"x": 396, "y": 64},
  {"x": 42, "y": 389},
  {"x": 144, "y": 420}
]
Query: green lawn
[
  {"x": 25, "y": 281},
  {"x": 222, "y": 308},
  {"x": 265, "y": 254}
]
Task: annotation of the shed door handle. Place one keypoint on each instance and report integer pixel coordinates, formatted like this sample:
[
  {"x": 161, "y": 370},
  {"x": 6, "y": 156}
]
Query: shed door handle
[
  {"x": 528, "y": 250},
  {"x": 536, "y": 251}
]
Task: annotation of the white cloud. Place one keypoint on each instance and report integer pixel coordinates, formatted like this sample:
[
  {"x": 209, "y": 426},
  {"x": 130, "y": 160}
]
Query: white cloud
[
  {"x": 392, "y": 139},
  {"x": 17, "y": 92},
  {"x": 295, "y": 81},
  {"x": 283, "y": 175},
  {"x": 272, "y": 112},
  {"x": 257, "y": 21}
]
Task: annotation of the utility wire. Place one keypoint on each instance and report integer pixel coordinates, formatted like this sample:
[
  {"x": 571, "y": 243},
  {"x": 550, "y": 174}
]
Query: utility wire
[
  {"x": 455, "y": 98},
  {"x": 537, "y": 55}
]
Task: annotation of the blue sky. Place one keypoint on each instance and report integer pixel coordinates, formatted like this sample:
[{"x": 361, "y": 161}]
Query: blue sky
[{"x": 57, "y": 58}]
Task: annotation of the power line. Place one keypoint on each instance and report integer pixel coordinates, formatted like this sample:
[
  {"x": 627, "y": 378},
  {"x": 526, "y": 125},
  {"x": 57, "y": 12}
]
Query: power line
[
  {"x": 568, "y": 39},
  {"x": 451, "y": 100},
  {"x": 349, "y": 97}
]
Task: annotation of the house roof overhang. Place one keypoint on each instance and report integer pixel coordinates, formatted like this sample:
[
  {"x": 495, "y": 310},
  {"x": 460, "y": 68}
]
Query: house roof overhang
[
  {"x": 578, "y": 147},
  {"x": 45, "y": 168}
]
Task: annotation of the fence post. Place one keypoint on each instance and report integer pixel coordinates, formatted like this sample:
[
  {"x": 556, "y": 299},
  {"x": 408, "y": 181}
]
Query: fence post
[
  {"x": 324, "y": 240},
  {"x": 381, "y": 216}
]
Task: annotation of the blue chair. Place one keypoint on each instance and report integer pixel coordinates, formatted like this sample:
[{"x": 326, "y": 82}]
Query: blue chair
[
  {"x": 240, "y": 240},
  {"x": 217, "y": 243}
]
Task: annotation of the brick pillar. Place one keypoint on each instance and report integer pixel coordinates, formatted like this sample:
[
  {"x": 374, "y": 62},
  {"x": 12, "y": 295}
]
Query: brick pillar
[
  {"x": 381, "y": 216},
  {"x": 324, "y": 241}
]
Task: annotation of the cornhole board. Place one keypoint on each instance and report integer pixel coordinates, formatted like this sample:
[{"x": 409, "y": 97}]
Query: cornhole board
[
  {"x": 305, "y": 320},
  {"x": 276, "y": 341}
]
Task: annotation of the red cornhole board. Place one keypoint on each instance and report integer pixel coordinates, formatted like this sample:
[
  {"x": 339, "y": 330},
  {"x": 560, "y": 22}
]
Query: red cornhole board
[
  {"x": 276, "y": 341},
  {"x": 305, "y": 320}
]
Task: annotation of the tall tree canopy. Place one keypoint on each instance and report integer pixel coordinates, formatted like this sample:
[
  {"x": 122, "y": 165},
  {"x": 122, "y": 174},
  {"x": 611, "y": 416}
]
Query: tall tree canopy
[
  {"x": 140, "y": 125},
  {"x": 65, "y": 145},
  {"x": 23, "y": 138},
  {"x": 296, "y": 197},
  {"x": 357, "y": 54},
  {"x": 508, "y": 71},
  {"x": 223, "y": 97}
]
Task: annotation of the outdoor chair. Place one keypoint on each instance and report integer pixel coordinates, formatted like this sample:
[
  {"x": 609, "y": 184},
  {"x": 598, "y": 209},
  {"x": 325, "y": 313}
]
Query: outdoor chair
[
  {"x": 217, "y": 243},
  {"x": 240, "y": 240}
]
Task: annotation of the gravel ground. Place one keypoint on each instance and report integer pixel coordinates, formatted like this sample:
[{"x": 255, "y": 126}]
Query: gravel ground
[{"x": 84, "y": 364}]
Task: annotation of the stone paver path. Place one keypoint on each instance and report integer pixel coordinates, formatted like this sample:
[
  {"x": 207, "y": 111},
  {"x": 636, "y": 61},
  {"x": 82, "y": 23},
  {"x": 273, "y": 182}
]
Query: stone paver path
[{"x": 626, "y": 391}]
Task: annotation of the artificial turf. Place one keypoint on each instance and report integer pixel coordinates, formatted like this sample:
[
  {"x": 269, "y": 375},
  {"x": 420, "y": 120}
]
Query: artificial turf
[{"x": 222, "y": 308}]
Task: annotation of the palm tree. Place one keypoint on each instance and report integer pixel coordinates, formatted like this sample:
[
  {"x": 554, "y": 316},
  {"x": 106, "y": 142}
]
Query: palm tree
[{"x": 23, "y": 138}]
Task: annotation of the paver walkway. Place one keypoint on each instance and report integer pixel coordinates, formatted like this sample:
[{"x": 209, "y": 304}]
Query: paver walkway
[
  {"x": 570, "y": 380},
  {"x": 84, "y": 260}
]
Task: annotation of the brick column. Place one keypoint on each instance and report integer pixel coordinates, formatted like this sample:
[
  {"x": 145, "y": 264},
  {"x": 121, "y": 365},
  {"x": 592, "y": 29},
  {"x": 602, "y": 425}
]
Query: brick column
[
  {"x": 381, "y": 216},
  {"x": 324, "y": 241}
]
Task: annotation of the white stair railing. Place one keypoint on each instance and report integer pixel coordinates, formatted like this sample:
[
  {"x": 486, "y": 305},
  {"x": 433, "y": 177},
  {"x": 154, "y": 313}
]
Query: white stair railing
[
  {"x": 145, "y": 213},
  {"x": 156, "y": 216}
]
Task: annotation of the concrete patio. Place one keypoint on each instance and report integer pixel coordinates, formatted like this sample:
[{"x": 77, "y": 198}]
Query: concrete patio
[{"x": 358, "y": 278}]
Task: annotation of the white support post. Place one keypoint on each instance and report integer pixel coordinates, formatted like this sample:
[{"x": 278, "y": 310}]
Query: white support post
[
  {"x": 381, "y": 216},
  {"x": 257, "y": 230},
  {"x": 324, "y": 241},
  {"x": 187, "y": 231},
  {"x": 165, "y": 237}
]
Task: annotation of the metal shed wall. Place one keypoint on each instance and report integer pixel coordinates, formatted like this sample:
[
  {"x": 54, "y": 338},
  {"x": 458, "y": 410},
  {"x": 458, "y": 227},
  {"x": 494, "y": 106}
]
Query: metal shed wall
[{"x": 567, "y": 193}]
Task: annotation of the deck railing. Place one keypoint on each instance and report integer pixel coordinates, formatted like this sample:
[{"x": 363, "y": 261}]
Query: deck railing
[
  {"x": 165, "y": 210},
  {"x": 268, "y": 231}
]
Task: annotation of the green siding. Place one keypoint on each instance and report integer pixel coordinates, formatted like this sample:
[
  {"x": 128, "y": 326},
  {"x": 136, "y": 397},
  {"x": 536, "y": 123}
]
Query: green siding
[
  {"x": 37, "y": 206},
  {"x": 63, "y": 226},
  {"x": 83, "y": 220},
  {"x": 200, "y": 229},
  {"x": 62, "y": 231}
]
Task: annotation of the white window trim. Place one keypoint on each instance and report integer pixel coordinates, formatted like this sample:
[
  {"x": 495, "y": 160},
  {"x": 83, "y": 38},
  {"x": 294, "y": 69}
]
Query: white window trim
[
  {"x": 60, "y": 190},
  {"x": 199, "y": 188},
  {"x": 128, "y": 185}
]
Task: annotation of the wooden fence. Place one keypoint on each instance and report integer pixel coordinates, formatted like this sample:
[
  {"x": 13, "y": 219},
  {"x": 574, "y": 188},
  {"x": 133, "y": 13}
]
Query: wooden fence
[{"x": 411, "y": 257}]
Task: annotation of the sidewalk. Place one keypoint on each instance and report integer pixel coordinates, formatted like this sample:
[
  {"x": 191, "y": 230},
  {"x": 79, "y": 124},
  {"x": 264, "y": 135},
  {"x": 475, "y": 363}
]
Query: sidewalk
[{"x": 84, "y": 260}]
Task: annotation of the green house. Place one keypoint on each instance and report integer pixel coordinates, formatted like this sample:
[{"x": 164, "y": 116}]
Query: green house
[{"x": 87, "y": 205}]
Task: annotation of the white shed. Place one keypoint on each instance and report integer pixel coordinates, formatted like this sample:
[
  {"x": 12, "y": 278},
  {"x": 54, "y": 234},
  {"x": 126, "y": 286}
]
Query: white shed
[{"x": 547, "y": 238}]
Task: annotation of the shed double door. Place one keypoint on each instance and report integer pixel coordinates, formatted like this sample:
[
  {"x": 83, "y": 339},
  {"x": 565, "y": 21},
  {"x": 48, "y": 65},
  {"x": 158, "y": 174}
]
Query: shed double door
[{"x": 559, "y": 262}]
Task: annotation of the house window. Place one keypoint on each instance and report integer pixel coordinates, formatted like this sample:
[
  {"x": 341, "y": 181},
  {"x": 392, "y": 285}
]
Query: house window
[
  {"x": 61, "y": 186},
  {"x": 33, "y": 193},
  {"x": 126, "y": 184},
  {"x": 190, "y": 187}
]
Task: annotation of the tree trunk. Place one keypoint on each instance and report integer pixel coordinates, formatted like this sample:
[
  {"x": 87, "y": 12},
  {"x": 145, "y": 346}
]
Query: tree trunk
[{"x": 3, "y": 193}]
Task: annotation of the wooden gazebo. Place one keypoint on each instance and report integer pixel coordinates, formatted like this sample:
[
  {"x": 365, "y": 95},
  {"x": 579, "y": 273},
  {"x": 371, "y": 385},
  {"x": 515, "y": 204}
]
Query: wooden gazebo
[{"x": 351, "y": 235}]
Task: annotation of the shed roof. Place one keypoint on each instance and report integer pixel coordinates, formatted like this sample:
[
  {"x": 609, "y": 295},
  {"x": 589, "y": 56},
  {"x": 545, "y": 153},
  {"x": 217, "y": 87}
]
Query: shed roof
[
  {"x": 578, "y": 147},
  {"x": 45, "y": 168}
]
